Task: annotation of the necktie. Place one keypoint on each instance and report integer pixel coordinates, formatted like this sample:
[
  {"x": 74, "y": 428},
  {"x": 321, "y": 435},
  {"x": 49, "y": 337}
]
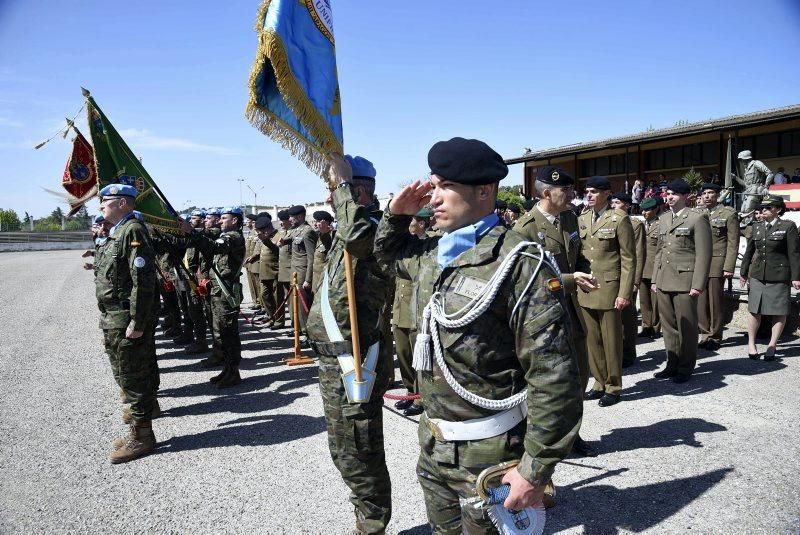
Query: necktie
[{"x": 555, "y": 222}]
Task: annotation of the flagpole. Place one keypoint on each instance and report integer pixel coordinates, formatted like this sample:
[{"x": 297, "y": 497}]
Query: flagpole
[{"x": 351, "y": 305}]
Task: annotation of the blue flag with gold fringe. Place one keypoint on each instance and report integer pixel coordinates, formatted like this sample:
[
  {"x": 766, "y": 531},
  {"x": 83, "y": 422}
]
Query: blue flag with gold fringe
[{"x": 294, "y": 88}]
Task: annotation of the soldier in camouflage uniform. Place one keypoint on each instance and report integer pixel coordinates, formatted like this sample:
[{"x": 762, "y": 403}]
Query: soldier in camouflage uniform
[
  {"x": 196, "y": 301},
  {"x": 125, "y": 283},
  {"x": 521, "y": 343},
  {"x": 322, "y": 226},
  {"x": 212, "y": 232},
  {"x": 355, "y": 431},
  {"x": 227, "y": 253}
]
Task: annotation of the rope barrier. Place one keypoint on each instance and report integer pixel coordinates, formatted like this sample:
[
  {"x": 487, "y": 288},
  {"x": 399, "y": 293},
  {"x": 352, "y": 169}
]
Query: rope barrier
[{"x": 400, "y": 397}]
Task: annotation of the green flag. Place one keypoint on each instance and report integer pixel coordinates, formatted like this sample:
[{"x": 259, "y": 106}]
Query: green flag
[{"x": 116, "y": 164}]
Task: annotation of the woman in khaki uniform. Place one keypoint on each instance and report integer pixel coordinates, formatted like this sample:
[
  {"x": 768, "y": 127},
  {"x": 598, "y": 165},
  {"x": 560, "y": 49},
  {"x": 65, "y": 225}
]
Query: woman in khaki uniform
[{"x": 771, "y": 265}]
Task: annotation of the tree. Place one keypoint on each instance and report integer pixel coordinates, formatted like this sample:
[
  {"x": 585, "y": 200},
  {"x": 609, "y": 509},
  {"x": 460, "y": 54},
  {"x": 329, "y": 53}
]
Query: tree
[
  {"x": 56, "y": 215},
  {"x": 9, "y": 220},
  {"x": 512, "y": 195}
]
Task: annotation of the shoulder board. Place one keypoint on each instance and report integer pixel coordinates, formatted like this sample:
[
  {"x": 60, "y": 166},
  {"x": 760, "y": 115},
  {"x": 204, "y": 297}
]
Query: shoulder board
[{"x": 619, "y": 212}]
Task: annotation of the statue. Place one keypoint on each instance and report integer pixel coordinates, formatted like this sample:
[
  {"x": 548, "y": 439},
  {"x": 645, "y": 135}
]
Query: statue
[{"x": 756, "y": 180}]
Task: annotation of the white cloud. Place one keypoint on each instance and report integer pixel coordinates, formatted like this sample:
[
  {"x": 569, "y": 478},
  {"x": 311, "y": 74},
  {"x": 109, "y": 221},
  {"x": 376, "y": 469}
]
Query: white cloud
[
  {"x": 144, "y": 139},
  {"x": 5, "y": 121}
]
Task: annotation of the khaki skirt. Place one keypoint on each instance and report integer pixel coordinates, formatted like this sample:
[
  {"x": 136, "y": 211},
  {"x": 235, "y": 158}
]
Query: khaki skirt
[{"x": 769, "y": 298}]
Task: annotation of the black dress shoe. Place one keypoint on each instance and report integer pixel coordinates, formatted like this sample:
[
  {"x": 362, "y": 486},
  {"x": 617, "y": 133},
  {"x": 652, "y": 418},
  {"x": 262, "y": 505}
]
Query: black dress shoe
[
  {"x": 403, "y": 404},
  {"x": 703, "y": 344},
  {"x": 712, "y": 345},
  {"x": 769, "y": 356},
  {"x": 581, "y": 447},
  {"x": 665, "y": 374},
  {"x": 414, "y": 410},
  {"x": 646, "y": 332},
  {"x": 680, "y": 378},
  {"x": 754, "y": 356},
  {"x": 593, "y": 394},
  {"x": 608, "y": 399}
]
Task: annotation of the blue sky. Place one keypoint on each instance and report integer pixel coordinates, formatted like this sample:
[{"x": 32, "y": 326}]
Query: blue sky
[{"x": 172, "y": 77}]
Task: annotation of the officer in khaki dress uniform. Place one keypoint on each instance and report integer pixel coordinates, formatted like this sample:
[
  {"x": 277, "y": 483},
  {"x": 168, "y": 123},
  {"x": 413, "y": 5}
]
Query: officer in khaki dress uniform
[
  {"x": 553, "y": 224},
  {"x": 267, "y": 259},
  {"x": 303, "y": 242},
  {"x": 252, "y": 245},
  {"x": 623, "y": 201},
  {"x": 651, "y": 323},
  {"x": 284, "y": 238},
  {"x": 725, "y": 240},
  {"x": 680, "y": 275},
  {"x": 608, "y": 243}
]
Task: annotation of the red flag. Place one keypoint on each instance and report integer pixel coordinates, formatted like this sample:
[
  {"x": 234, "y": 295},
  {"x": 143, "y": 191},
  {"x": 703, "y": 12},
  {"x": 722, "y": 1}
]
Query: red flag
[{"x": 80, "y": 174}]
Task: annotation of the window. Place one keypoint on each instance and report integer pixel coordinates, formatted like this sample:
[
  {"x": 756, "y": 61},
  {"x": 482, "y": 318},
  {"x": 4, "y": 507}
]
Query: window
[
  {"x": 767, "y": 146},
  {"x": 673, "y": 157}
]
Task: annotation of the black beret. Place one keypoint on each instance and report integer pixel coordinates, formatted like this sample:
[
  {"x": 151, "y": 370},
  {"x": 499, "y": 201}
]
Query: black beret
[
  {"x": 322, "y": 215},
  {"x": 599, "y": 183},
  {"x": 527, "y": 205},
  {"x": 710, "y": 185},
  {"x": 554, "y": 176},
  {"x": 649, "y": 203},
  {"x": 251, "y": 217},
  {"x": 622, "y": 196},
  {"x": 263, "y": 222},
  {"x": 265, "y": 214},
  {"x": 515, "y": 208},
  {"x": 297, "y": 210},
  {"x": 500, "y": 205},
  {"x": 679, "y": 185},
  {"x": 283, "y": 215},
  {"x": 466, "y": 161}
]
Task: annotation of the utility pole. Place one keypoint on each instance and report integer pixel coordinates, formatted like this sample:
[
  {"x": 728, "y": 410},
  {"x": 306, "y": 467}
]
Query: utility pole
[
  {"x": 255, "y": 196},
  {"x": 241, "y": 201}
]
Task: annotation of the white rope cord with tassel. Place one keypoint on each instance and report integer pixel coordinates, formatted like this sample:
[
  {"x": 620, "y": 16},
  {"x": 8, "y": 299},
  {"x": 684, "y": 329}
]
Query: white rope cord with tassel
[{"x": 434, "y": 315}]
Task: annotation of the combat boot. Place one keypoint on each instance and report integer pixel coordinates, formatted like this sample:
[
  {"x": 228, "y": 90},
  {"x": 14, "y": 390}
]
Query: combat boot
[
  {"x": 231, "y": 379},
  {"x": 220, "y": 375},
  {"x": 196, "y": 347},
  {"x": 127, "y": 415},
  {"x": 185, "y": 337},
  {"x": 138, "y": 443},
  {"x": 216, "y": 358}
]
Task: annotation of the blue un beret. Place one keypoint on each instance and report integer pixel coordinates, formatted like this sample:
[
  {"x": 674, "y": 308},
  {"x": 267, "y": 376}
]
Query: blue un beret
[
  {"x": 216, "y": 212},
  {"x": 198, "y": 213},
  {"x": 118, "y": 190},
  {"x": 362, "y": 168},
  {"x": 234, "y": 210}
]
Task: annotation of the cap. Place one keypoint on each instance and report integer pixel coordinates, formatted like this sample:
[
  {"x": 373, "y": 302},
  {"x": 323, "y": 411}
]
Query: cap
[
  {"x": 466, "y": 161},
  {"x": 772, "y": 200},
  {"x": 679, "y": 185},
  {"x": 622, "y": 196},
  {"x": 745, "y": 155},
  {"x": 296, "y": 210},
  {"x": 599, "y": 183},
  {"x": 322, "y": 215},
  {"x": 362, "y": 168},
  {"x": 555, "y": 176},
  {"x": 251, "y": 217},
  {"x": 118, "y": 190}
]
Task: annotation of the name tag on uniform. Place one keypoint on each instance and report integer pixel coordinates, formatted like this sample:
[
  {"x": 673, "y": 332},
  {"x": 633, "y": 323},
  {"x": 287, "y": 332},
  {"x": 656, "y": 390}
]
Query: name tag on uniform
[
  {"x": 683, "y": 231},
  {"x": 779, "y": 233},
  {"x": 718, "y": 222},
  {"x": 469, "y": 287},
  {"x": 574, "y": 237},
  {"x": 607, "y": 233}
]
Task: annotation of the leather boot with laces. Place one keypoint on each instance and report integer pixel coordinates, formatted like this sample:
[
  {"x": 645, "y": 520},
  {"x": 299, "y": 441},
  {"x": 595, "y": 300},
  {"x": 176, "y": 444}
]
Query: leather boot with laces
[
  {"x": 138, "y": 443},
  {"x": 231, "y": 379}
]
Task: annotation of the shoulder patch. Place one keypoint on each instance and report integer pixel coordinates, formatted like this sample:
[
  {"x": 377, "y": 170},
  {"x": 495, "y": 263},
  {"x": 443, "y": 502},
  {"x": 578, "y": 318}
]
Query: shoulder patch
[
  {"x": 554, "y": 284},
  {"x": 139, "y": 262}
]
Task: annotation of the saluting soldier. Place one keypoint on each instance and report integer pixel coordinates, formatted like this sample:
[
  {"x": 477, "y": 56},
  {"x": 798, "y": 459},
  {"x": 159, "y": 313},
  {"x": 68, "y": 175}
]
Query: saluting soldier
[
  {"x": 771, "y": 264},
  {"x": 622, "y": 201},
  {"x": 227, "y": 253},
  {"x": 323, "y": 225},
  {"x": 126, "y": 292},
  {"x": 355, "y": 430},
  {"x": 303, "y": 241},
  {"x": 284, "y": 237},
  {"x": 251, "y": 247},
  {"x": 725, "y": 241},
  {"x": 680, "y": 275},
  {"x": 651, "y": 323},
  {"x": 553, "y": 224},
  {"x": 520, "y": 342},
  {"x": 404, "y": 322},
  {"x": 608, "y": 243}
]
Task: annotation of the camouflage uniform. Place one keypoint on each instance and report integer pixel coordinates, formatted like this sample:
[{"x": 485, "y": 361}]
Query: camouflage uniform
[
  {"x": 196, "y": 301},
  {"x": 172, "y": 321},
  {"x": 355, "y": 431},
  {"x": 125, "y": 281},
  {"x": 227, "y": 255},
  {"x": 491, "y": 359},
  {"x": 206, "y": 259},
  {"x": 321, "y": 253}
]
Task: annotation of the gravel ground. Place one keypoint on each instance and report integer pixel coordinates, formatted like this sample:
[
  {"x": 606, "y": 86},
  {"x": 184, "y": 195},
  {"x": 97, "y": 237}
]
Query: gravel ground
[{"x": 717, "y": 455}]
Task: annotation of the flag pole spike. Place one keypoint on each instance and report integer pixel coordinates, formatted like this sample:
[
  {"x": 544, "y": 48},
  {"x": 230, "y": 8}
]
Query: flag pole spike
[{"x": 85, "y": 92}]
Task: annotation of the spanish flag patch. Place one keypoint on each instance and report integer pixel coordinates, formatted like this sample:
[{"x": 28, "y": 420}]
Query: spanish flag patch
[{"x": 554, "y": 284}]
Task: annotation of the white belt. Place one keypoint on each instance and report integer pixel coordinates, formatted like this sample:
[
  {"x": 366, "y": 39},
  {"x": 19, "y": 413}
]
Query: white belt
[{"x": 479, "y": 428}]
